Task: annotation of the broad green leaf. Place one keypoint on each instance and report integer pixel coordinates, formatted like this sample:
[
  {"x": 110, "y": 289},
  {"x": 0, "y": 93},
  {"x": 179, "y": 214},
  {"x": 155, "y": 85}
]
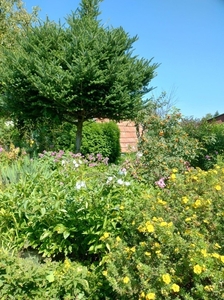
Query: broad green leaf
[{"x": 50, "y": 277}]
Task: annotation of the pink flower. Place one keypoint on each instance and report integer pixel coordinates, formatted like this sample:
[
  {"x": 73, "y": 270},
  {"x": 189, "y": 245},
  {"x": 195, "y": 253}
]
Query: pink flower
[{"x": 160, "y": 183}]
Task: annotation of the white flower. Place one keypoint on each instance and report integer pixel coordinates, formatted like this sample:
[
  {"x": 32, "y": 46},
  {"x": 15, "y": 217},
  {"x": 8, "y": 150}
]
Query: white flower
[
  {"x": 80, "y": 184},
  {"x": 63, "y": 162},
  {"x": 122, "y": 172},
  {"x": 109, "y": 179},
  {"x": 120, "y": 181},
  {"x": 127, "y": 183},
  {"x": 76, "y": 165},
  {"x": 9, "y": 123},
  {"x": 139, "y": 154}
]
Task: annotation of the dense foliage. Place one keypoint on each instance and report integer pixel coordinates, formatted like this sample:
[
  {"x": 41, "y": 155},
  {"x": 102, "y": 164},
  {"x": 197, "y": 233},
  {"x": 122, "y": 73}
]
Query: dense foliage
[
  {"x": 74, "y": 73},
  {"x": 210, "y": 135},
  {"x": 103, "y": 138},
  {"x": 73, "y": 227},
  {"x": 165, "y": 145}
]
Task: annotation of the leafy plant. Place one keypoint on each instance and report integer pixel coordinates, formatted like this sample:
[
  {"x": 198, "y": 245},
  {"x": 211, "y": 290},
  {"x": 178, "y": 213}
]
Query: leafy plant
[{"x": 165, "y": 146}]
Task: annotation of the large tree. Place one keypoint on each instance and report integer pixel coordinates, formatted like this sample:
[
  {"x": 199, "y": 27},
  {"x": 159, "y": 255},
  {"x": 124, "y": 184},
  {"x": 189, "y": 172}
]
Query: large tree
[{"x": 75, "y": 72}]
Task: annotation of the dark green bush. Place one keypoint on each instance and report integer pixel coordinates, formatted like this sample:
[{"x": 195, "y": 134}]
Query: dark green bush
[
  {"x": 103, "y": 138},
  {"x": 211, "y": 138}
]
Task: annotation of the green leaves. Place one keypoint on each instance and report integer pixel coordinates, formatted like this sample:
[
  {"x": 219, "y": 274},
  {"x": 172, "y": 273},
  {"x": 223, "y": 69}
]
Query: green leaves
[{"x": 75, "y": 72}]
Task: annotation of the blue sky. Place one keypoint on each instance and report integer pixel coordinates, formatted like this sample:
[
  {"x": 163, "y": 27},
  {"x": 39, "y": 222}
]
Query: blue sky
[{"x": 184, "y": 36}]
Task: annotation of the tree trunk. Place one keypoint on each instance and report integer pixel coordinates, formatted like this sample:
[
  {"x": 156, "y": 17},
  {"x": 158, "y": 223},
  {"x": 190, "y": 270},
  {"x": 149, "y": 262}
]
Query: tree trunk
[{"x": 79, "y": 135}]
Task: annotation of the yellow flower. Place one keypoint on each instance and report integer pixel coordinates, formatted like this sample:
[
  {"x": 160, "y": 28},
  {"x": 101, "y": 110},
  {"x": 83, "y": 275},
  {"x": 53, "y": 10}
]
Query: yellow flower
[
  {"x": 150, "y": 296},
  {"x": 197, "y": 203},
  {"x": 185, "y": 200},
  {"x": 143, "y": 244},
  {"x": 166, "y": 278},
  {"x": 217, "y": 246},
  {"x": 105, "y": 236},
  {"x": 208, "y": 288},
  {"x": 149, "y": 254},
  {"x": 126, "y": 279},
  {"x": 142, "y": 295},
  {"x": 172, "y": 176},
  {"x": 175, "y": 287},
  {"x": 163, "y": 224},
  {"x": 67, "y": 264},
  {"x": 118, "y": 239},
  {"x": 158, "y": 253},
  {"x": 174, "y": 170},
  {"x": 149, "y": 227},
  {"x": 197, "y": 269},
  {"x": 187, "y": 219},
  {"x": 222, "y": 258},
  {"x": 216, "y": 255},
  {"x": 160, "y": 201},
  {"x": 204, "y": 252},
  {"x": 218, "y": 187},
  {"x": 104, "y": 273}
]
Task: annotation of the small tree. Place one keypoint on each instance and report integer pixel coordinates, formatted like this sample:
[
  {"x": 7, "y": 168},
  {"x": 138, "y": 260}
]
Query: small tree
[{"x": 75, "y": 72}]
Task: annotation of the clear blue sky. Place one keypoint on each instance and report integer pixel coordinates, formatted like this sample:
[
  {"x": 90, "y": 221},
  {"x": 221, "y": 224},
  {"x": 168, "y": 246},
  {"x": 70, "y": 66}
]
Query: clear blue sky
[{"x": 185, "y": 36}]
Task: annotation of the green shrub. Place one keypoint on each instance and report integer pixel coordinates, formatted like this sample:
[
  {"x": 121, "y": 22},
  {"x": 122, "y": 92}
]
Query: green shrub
[
  {"x": 98, "y": 138},
  {"x": 211, "y": 138},
  {"x": 164, "y": 146},
  {"x": 103, "y": 138},
  {"x": 109, "y": 236},
  {"x": 165, "y": 249},
  {"x": 27, "y": 278}
]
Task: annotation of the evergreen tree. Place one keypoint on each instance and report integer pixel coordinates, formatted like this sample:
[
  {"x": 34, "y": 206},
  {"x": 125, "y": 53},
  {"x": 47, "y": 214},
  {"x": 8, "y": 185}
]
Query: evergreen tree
[{"x": 75, "y": 72}]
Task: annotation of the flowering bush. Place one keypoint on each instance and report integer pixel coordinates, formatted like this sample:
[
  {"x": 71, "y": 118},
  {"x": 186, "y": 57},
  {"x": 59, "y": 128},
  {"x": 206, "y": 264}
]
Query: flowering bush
[
  {"x": 168, "y": 251},
  {"x": 99, "y": 233},
  {"x": 165, "y": 145}
]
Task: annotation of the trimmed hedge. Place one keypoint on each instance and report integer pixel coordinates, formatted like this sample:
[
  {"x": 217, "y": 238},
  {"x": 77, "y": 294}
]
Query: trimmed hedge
[{"x": 103, "y": 138}]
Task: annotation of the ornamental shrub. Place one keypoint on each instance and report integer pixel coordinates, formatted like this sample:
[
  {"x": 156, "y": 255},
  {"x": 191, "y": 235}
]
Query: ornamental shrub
[
  {"x": 103, "y": 138},
  {"x": 211, "y": 138},
  {"x": 164, "y": 145},
  {"x": 101, "y": 234}
]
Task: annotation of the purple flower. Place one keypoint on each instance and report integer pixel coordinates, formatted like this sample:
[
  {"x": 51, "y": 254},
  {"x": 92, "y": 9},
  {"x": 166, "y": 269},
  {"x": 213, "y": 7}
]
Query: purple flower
[
  {"x": 91, "y": 157},
  {"x": 105, "y": 161},
  {"x": 93, "y": 165},
  {"x": 160, "y": 183},
  {"x": 208, "y": 157},
  {"x": 99, "y": 157}
]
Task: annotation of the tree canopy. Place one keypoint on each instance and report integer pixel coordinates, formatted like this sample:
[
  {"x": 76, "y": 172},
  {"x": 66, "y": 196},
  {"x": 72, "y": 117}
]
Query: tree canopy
[{"x": 75, "y": 72}]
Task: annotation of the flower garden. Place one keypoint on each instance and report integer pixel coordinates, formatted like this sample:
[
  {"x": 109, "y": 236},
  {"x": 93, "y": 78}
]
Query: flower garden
[{"x": 75, "y": 227}]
